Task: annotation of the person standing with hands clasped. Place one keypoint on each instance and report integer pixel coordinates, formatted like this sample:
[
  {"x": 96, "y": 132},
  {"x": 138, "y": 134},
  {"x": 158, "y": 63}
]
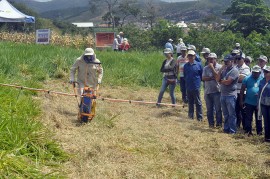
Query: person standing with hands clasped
[
  {"x": 228, "y": 77},
  {"x": 169, "y": 70},
  {"x": 89, "y": 70}
]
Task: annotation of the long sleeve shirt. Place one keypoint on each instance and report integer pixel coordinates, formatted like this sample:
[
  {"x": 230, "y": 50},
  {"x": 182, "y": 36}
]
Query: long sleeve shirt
[
  {"x": 89, "y": 74},
  {"x": 193, "y": 75}
]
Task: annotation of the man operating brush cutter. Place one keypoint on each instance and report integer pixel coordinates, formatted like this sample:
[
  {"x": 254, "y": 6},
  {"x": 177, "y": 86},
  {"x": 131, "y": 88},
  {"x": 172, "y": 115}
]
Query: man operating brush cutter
[{"x": 89, "y": 76}]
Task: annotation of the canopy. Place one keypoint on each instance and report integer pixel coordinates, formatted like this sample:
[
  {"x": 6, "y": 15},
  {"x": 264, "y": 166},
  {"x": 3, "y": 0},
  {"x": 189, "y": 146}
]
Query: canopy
[{"x": 9, "y": 13}]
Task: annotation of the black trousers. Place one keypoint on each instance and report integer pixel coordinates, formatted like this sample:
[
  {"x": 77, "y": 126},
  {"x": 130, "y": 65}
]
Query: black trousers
[{"x": 240, "y": 113}]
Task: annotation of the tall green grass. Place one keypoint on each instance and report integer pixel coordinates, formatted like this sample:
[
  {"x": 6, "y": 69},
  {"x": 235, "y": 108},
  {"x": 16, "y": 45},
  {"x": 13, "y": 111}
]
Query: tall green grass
[{"x": 26, "y": 147}]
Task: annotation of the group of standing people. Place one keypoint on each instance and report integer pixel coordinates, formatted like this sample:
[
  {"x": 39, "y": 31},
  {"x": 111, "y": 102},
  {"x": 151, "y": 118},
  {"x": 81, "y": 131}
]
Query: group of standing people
[
  {"x": 120, "y": 43},
  {"x": 233, "y": 88}
]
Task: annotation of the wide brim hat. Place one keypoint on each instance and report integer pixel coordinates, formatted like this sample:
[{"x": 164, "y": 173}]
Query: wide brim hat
[{"x": 89, "y": 51}]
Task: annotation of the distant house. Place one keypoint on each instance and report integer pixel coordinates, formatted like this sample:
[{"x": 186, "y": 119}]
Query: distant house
[
  {"x": 181, "y": 24},
  {"x": 83, "y": 24}
]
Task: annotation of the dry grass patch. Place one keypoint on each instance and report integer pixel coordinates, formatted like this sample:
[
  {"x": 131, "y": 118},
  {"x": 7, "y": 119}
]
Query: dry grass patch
[{"x": 142, "y": 141}]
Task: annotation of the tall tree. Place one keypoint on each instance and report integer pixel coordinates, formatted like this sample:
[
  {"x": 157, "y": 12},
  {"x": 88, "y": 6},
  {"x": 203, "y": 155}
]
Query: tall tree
[
  {"x": 128, "y": 8},
  {"x": 248, "y": 16},
  {"x": 150, "y": 12},
  {"x": 111, "y": 4}
]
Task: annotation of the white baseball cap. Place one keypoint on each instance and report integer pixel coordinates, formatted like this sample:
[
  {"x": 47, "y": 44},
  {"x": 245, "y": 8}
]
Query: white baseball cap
[
  {"x": 191, "y": 52},
  {"x": 205, "y": 50},
  {"x": 212, "y": 55}
]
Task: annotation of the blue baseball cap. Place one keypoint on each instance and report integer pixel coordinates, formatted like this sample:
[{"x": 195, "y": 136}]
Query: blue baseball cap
[{"x": 228, "y": 58}]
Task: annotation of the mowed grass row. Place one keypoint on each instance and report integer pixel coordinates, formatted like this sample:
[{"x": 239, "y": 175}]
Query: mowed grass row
[{"x": 26, "y": 147}]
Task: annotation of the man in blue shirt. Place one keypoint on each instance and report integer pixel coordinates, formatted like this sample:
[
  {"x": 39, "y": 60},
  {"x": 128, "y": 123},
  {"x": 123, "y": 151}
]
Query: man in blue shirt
[
  {"x": 251, "y": 85},
  {"x": 193, "y": 76},
  {"x": 169, "y": 45}
]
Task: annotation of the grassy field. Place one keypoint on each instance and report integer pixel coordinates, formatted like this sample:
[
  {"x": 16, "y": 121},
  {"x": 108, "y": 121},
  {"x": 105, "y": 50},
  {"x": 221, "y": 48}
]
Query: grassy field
[{"x": 40, "y": 137}]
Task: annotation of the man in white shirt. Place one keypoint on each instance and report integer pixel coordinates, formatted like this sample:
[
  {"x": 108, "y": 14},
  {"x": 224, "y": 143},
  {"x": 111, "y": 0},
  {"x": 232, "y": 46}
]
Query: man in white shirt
[{"x": 244, "y": 71}]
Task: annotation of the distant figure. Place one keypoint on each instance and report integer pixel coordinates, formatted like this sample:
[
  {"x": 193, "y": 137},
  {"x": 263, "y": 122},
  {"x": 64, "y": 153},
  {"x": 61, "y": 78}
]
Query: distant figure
[
  {"x": 237, "y": 46},
  {"x": 178, "y": 47},
  {"x": 169, "y": 45},
  {"x": 125, "y": 46},
  {"x": 121, "y": 39},
  {"x": 116, "y": 43}
]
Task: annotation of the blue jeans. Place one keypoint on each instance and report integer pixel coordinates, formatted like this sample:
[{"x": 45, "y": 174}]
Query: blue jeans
[
  {"x": 250, "y": 110},
  {"x": 163, "y": 88},
  {"x": 183, "y": 89},
  {"x": 228, "y": 109},
  {"x": 266, "y": 117},
  {"x": 194, "y": 97},
  {"x": 213, "y": 103}
]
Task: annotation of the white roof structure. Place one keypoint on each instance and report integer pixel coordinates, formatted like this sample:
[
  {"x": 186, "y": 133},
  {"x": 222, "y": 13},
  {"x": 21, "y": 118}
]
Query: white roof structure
[
  {"x": 83, "y": 24},
  {"x": 9, "y": 13},
  {"x": 181, "y": 24}
]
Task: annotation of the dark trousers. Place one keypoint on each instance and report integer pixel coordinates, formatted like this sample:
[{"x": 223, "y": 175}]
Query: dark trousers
[
  {"x": 183, "y": 89},
  {"x": 194, "y": 97},
  {"x": 250, "y": 110},
  {"x": 266, "y": 117},
  {"x": 240, "y": 113}
]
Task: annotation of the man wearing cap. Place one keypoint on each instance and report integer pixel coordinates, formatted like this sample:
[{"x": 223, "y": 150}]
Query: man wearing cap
[
  {"x": 250, "y": 84},
  {"x": 237, "y": 46},
  {"x": 193, "y": 76},
  {"x": 197, "y": 57},
  {"x": 116, "y": 43},
  {"x": 89, "y": 70},
  {"x": 178, "y": 47},
  {"x": 262, "y": 61},
  {"x": 205, "y": 52},
  {"x": 244, "y": 71},
  {"x": 264, "y": 102},
  {"x": 212, "y": 91},
  {"x": 169, "y": 70},
  {"x": 248, "y": 60},
  {"x": 181, "y": 61},
  {"x": 236, "y": 53},
  {"x": 121, "y": 39},
  {"x": 169, "y": 45},
  {"x": 228, "y": 77}
]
